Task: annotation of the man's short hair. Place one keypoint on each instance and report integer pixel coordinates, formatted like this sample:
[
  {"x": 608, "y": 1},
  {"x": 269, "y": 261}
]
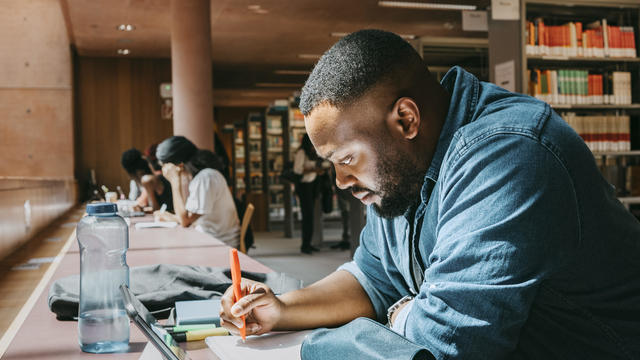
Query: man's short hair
[
  {"x": 354, "y": 65},
  {"x": 132, "y": 161}
]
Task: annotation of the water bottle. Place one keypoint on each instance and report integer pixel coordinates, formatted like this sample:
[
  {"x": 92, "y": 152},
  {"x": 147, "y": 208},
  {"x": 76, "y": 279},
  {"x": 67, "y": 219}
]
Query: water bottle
[{"x": 103, "y": 237}]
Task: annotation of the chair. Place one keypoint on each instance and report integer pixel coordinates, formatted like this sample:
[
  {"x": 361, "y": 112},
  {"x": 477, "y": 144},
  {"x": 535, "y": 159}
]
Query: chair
[{"x": 246, "y": 219}]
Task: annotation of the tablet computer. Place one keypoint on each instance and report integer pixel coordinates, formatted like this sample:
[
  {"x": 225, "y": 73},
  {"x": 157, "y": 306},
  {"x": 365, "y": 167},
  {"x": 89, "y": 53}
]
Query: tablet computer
[{"x": 149, "y": 326}]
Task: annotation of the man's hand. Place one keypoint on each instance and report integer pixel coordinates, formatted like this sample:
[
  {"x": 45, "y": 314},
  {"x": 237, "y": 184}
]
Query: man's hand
[
  {"x": 171, "y": 172},
  {"x": 262, "y": 309}
]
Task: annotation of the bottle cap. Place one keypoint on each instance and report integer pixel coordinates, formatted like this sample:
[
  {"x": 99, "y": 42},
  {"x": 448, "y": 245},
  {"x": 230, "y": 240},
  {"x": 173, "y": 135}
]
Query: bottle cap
[{"x": 102, "y": 208}]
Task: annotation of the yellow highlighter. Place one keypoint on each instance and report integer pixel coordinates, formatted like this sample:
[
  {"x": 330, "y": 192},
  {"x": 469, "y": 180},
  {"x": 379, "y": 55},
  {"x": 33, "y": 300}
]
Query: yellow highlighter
[{"x": 195, "y": 335}]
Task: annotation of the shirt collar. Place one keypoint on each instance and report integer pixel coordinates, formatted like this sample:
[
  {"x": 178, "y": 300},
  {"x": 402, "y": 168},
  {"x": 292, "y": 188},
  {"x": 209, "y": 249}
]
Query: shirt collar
[{"x": 463, "y": 89}]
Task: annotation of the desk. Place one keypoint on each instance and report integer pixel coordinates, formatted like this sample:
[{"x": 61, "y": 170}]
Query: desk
[{"x": 41, "y": 336}]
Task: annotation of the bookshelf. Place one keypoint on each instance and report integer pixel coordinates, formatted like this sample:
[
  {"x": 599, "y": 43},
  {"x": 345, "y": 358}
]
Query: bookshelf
[
  {"x": 274, "y": 132},
  {"x": 249, "y": 182},
  {"x": 238, "y": 160},
  {"x": 581, "y": 57}
]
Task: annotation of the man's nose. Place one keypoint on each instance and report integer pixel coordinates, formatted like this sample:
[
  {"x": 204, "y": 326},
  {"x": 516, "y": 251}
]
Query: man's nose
[{"x": 344, "y": 179}]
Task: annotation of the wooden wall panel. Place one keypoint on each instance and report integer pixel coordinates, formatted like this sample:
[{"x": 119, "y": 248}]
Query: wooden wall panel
[
  {"x": 35, "y": 48},
  {"x": 36, "y": 133},
  {"x": 48, "y": 199},
  {"x": 36, "y": 126},
  {"x": 118, "y": 107}
]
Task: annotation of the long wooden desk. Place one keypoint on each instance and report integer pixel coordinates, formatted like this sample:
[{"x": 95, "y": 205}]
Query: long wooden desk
[{"x": 41, "y": 336}]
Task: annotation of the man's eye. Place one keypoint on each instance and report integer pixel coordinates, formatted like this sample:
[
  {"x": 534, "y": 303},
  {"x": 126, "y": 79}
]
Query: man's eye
[{"x": 346, "y": 161}]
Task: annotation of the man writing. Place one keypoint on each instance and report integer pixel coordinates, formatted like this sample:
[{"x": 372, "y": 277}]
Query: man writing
[{"x": 490, "y": 232}]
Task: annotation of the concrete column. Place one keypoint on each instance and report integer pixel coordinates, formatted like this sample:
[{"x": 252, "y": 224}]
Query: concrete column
[{"x": 191, "y": 71}]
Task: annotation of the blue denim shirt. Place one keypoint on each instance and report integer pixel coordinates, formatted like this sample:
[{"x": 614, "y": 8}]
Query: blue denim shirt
[{"x": 526, "y": 253}]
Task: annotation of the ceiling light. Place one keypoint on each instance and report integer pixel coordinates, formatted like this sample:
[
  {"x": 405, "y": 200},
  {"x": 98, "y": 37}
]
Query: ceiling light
[
  {"x": 253, "y": 7},
  {"x": 126, "y": 27},
  {"x": 123, "y": 51},
  {"x": 279, "y": 85},
  {"x": 404, "y": 36},
  {"x": 424, "y": 6},
  {"x": 292, "y": 72},
  {"x": 309, "y": 56}
]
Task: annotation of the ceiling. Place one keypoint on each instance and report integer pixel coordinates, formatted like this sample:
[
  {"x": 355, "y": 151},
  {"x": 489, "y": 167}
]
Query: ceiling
[{"x": 248, "y": 46}]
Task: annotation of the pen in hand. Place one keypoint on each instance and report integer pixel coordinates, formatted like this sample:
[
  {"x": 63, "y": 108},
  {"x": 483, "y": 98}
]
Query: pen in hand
[{"x": 236, "y": 278}]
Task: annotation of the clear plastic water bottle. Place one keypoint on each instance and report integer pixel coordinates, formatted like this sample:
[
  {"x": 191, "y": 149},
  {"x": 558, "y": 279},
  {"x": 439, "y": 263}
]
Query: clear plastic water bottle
[{"x": 103, "y": 237}]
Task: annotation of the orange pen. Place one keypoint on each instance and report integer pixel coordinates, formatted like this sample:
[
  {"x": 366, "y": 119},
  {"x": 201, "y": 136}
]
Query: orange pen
[{"x": 236, "y": 277}]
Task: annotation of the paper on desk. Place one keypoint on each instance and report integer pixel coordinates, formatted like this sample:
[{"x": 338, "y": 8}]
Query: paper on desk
[
  {"x": 277, "y": 346},
  {"x": 157, "y": 224}
]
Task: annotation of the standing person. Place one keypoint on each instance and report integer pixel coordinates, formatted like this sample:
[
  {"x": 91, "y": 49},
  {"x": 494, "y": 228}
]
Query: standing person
[
  {"x": 209, "y": 206},
  {"x": 146, "y": 188},
  {"x": 305, "y": 163},
  {"x": 491, "y": 233},
  {"x": 343, "y": 205}
]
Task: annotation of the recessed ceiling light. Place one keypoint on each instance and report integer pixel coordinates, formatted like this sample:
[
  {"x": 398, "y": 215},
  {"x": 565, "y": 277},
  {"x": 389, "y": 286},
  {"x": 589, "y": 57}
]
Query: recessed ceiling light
[
  {"x": 425, "y": 6},
  {"x": 309, "y": 56},
  {"x": 279, "y": 85},
  {"x": 292, "y": 72},
  {"x": 123, "y": 51},
  {"x": 126, "y": 27},
  {"x": 253, "y": 7},
  {"x": 404, "y": 36}
]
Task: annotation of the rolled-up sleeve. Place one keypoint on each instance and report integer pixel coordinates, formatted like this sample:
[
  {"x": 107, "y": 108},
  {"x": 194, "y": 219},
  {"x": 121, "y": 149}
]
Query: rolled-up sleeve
[
  {"x": 503, "y": 225},
  {"x": 372, "y": 273}
]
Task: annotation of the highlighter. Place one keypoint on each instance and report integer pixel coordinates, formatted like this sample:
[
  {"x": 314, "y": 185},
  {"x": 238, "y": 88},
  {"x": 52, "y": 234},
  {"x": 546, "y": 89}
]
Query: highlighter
[
  {"x": 183, "y": 328},
  {"x": 236, "y": 277},
  {"x": 196, "y": 335}
]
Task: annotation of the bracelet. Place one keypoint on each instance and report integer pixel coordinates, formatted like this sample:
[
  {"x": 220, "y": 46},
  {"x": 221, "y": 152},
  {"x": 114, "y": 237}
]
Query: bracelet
[{"x": 396, "y": 306}]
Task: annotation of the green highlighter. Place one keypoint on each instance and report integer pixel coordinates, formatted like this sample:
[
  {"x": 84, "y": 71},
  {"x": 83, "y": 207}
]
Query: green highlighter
[{"x": 182, "y": 328}]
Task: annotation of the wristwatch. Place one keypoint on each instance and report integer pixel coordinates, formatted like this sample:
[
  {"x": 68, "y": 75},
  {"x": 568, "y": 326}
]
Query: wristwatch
[{"x": 396, "y": 306}]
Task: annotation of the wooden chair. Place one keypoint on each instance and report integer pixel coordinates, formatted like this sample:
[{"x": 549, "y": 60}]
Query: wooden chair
[{"x": 246, "y": 219}]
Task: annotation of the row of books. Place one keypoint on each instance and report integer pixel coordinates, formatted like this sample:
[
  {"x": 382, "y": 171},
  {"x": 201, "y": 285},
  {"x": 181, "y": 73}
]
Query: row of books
[
  {"x": 602, "y": 132},
  {"x": 596, "y": 39},
  {"x": 572, "y": 86}
]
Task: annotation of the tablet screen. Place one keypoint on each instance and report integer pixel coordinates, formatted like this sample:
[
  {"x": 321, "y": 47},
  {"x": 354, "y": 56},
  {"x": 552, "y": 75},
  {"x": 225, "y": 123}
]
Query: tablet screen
[{"x": 149, "y": 326}]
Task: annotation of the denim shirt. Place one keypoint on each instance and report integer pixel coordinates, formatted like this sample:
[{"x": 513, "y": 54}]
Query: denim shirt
[{"x": 524, "y": 250}]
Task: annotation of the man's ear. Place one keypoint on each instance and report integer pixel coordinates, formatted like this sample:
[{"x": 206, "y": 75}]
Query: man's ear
[{"x": 404, "y": 118}]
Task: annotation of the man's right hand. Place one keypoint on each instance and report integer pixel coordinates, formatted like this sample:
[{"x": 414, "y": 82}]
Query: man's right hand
[{"x": 261, "y": 307}]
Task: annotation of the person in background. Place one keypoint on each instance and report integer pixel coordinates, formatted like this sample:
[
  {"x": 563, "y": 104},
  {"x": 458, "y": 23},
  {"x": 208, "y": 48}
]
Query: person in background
[
  {"x": 209, "y": 205},
  {"x": 343, "y": 205},
  {"x": 145, "y": 188},
  {"x": 305, "y": 163},
  {"x": 150, "y": 156}
]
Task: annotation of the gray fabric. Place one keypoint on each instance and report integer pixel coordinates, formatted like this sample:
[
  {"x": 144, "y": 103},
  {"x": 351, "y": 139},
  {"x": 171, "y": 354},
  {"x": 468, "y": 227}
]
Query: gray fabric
[{"x": 159, "y": 286}]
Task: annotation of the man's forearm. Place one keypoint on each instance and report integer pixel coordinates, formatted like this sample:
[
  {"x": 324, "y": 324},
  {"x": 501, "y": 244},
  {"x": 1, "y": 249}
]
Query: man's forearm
[{"x": 332, "y": 301}]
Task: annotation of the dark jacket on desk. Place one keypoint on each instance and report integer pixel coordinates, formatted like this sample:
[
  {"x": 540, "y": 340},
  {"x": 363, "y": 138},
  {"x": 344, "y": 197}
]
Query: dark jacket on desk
[{"x": 159, "y": 286}]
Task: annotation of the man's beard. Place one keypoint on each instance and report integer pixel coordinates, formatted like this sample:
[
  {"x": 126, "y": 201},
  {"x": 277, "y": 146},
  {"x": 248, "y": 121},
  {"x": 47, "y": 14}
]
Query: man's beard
[{"x": 399, "y": 185}]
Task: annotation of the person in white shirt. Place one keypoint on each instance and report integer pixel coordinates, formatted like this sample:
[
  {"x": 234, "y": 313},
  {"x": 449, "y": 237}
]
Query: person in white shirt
[
  {"x": 307, "y": 164},
  {"x": 209, "y": 206}
]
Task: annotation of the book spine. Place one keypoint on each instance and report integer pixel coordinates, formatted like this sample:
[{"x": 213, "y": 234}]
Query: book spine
[{"x": 605, "y": 38}]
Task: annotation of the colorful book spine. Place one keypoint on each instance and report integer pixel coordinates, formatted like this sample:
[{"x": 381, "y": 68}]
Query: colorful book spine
[{"x": 573, "y": 39}]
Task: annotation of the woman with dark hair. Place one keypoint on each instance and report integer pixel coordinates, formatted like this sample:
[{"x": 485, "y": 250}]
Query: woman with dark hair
[
  {"x": 306, "y": 163},
  {"x": 145, "y": 188},
  {"x": 209, "y": 206}
]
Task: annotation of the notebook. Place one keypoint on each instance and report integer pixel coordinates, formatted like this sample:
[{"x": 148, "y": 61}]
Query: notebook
[
  {"x": 276, "y": 346},
  {"x": 198, "y": 312}
]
